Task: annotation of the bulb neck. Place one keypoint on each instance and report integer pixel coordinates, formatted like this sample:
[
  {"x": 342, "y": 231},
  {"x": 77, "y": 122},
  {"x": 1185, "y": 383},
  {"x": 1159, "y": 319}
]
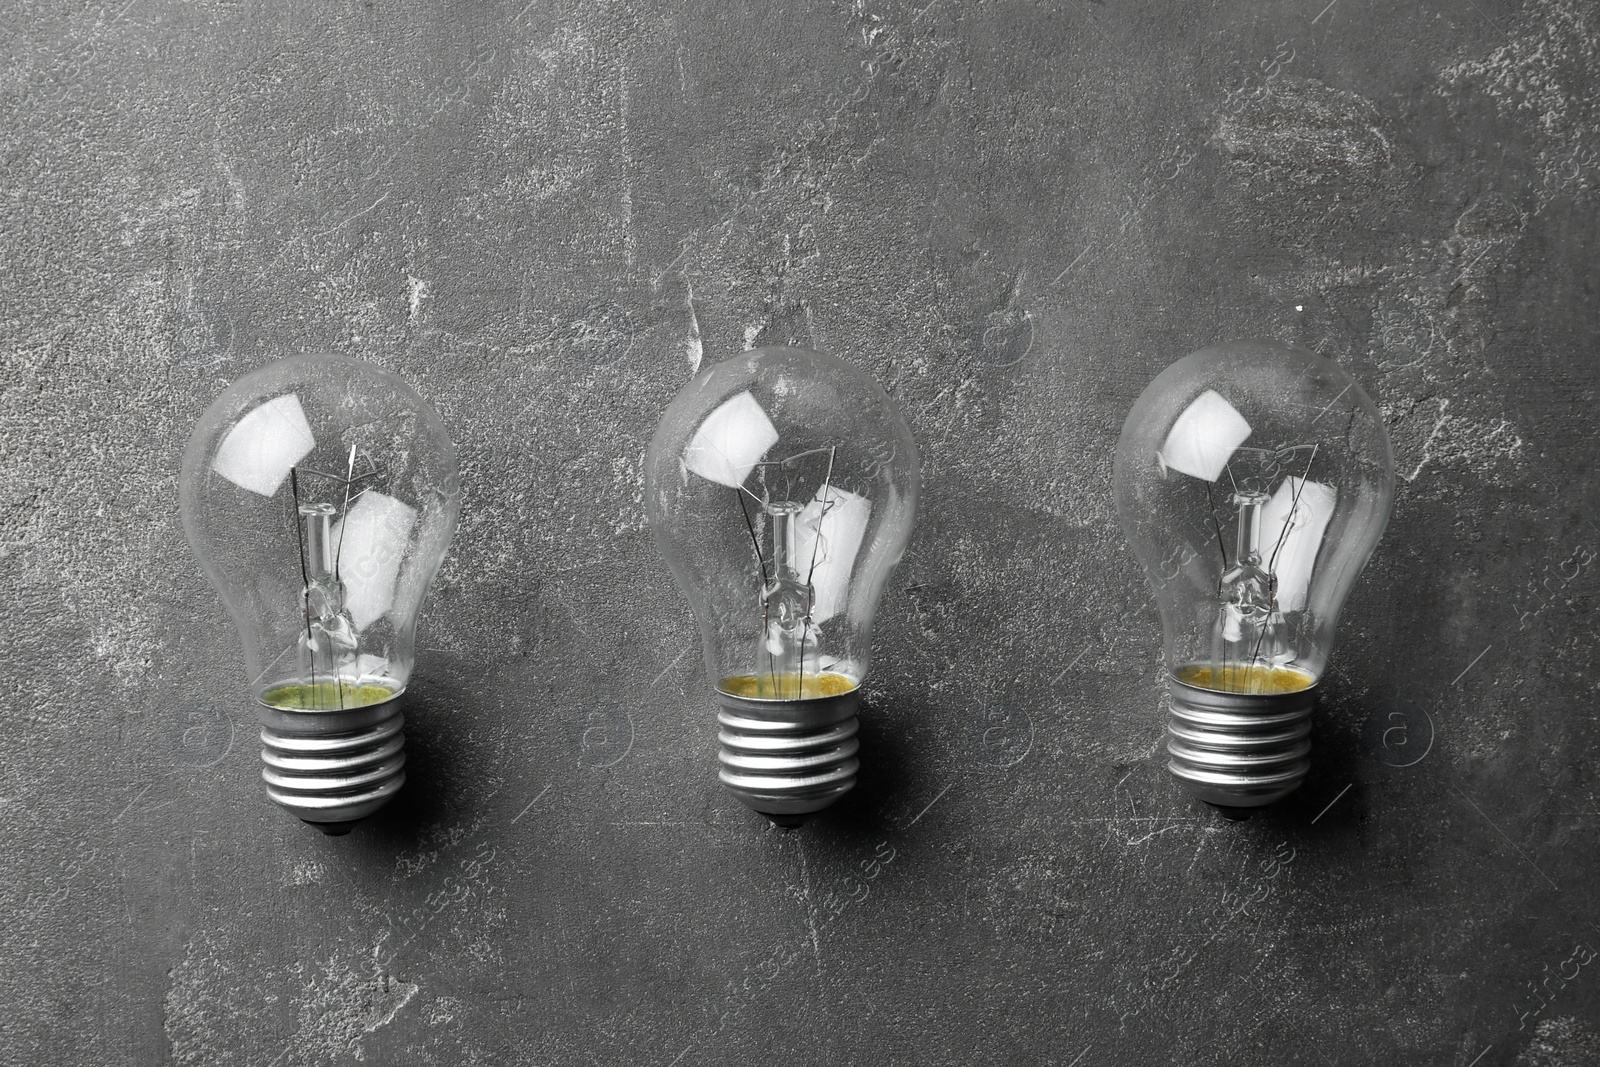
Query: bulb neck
[
  {"x": 332, "y": 769},
  {"x": 788, "y": 759},
  {"x": 1239, "y": 750}
]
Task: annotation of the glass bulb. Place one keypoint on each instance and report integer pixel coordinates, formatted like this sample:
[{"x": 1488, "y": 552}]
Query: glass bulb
[
  {"x": 781, "y": 487},
  {"x": 1253, "y": 480},
  {"x": 320, "y": 494}
]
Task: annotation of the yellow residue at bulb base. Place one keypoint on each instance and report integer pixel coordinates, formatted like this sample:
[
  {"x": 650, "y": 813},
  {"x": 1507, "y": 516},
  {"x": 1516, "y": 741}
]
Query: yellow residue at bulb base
[
  {"x": 1253, "y": 679},
  {"x": 327, "y": 695},
  {"x": 788, "y": 686}
]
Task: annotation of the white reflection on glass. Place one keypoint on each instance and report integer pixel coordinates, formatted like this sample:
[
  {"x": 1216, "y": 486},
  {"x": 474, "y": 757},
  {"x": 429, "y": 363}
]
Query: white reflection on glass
[
  {"x": 372, "y": 540},
  {"x": 1204, "y": 438},
  {"x": 831, "y": 529},
  {"x": 732, "y": 440},
  {"x": 262, "y": 448},
  {"x": 1296, "y": 518}
]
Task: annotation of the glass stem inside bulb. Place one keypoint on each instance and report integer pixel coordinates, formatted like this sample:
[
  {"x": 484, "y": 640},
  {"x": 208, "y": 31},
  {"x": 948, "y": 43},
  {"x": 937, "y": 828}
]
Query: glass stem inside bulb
[
  {"x": 328, "y": 646},
  {"x": 786, "y": 606},
  {"x": 1246, "y": 641}
]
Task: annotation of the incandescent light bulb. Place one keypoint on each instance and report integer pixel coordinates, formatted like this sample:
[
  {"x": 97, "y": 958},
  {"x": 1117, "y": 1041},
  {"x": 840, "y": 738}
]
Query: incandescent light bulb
[
  {"x": 781, "y": 487},
  {"x": 1253, "y": 480},
  {"x": 320, "y": 494}
]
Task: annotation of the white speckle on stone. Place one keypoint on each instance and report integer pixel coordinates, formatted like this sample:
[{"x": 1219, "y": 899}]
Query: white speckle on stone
[
  {"x": 416, "y": 293},
  {"x": 342, "y": 1005},
  {"x": 305, "y": 872},
  {"x": 1544, "y": 78}
]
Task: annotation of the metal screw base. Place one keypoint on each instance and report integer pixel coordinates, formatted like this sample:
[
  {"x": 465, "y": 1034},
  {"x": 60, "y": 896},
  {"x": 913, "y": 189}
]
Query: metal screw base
[
  {"x": 788, "y": 758},
  {"x": 333, "y": 768},
  {"x": 1239, "y": 750}
]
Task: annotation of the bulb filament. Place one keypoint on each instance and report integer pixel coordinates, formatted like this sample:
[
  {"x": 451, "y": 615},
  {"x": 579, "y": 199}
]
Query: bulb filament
[
  {"x": 1249, "y": 637},
  {"x": 329, "y": 643},
  {"x": 1250, "y": 640},
  {"x": 787, "y": 592}
]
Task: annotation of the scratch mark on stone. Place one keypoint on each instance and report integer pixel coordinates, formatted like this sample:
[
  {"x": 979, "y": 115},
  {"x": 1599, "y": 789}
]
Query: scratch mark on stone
[
  {"x": 1204, "y": 841},
  {"x": 530, "y": 804},
  {"x": 1331, "y": 803},
  {"x": 1073, "y": 664},
  {"x": 680, "y": 1055},
  {"x": 940, "y": 395},
  {"x": 1489, "y": 20},
  {"x": 1332, "y": 402},
  {"x": 1324, "y": 12},
  {"x": 134, "y": 801},
  {"x": 931, "y": 803},
  {"x": 1074, "y": 263},
  {"x": 125, "y": 9},
  {"x": 683, "y": 254},
  {"x": 1152, "y": 833},
  {"x": 1474, "y": 263},
  {"x": 1508, "y": 840},
  {"x": 1444, "y": 406},
  {"x": 1471, "y": 665},
  {"x": 364, "y": 211},
  {"x": 811, "y": 910},
  {"x": 675, "y": 661},
  {"x": 1480, "y": 1055},
  {"x": 1080, "y": 1056}
]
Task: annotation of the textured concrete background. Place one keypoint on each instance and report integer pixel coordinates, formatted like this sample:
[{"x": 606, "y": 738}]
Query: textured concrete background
[{"x": 545, "y": 215}]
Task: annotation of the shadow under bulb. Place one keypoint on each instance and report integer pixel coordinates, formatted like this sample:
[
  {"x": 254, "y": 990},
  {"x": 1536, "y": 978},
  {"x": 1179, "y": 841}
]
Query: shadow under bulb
[
  {"x": 781, "y": 486},
  {"x": 1253, "y": 481},
  {"x": 320, "y": 494}
]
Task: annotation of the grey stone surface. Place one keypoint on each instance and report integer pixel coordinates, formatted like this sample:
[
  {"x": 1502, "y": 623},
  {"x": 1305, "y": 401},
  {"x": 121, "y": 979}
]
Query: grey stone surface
[{"x": 544, "y": 214}]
